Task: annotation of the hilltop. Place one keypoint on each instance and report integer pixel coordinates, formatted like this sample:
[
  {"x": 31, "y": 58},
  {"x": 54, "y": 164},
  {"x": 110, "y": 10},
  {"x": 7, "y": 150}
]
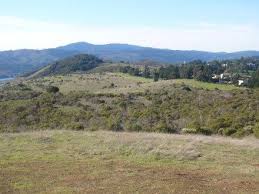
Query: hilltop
[
  {"x": 84, "y": 125},
  {"x": 21, "y": 61},
  {"x": 78, "y": 63},
  {"x": 109, "y": 162}
]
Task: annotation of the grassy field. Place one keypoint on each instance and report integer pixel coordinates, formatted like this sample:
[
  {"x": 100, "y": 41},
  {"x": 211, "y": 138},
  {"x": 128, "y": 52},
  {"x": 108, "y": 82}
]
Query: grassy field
[
  {"x": 116, "y": 83},
  {"x": 205, "y": 85},
  {"x": 108, "y": 162}
]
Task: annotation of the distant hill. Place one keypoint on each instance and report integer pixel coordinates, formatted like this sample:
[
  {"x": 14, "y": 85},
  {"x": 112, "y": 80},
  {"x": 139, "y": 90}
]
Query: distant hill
[
  {"x": 77, "y": 63},
  {"x": 132, "y": 53},
  {"x": 21, "y": 61}
]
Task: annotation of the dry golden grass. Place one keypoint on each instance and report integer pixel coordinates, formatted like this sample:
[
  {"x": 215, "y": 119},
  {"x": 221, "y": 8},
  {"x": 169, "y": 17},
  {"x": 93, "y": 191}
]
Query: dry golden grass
[
  {"x": 116, "y": 83},
  {"x": 108, "y": 162}
]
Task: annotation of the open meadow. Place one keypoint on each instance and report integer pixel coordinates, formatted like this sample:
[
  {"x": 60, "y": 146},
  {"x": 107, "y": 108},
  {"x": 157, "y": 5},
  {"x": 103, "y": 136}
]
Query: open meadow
[
  {"x": 98, "y": 162},
  {"x": 117, "y": 83}
]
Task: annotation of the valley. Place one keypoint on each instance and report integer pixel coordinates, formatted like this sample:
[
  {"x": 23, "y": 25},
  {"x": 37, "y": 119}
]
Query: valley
[{"x": 86, "y": 125}]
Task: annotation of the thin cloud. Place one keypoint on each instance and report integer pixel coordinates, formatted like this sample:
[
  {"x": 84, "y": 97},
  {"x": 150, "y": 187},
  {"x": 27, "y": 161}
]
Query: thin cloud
[{"x": 17, "y": 33}]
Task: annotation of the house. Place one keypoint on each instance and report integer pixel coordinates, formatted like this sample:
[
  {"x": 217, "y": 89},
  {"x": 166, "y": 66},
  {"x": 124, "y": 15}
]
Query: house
[
  {"x": 224, "y": 65},
  {"x": 225, "y": 76},
  {"x": 240, "y": 82},
  {"x": 251, "y": 65},
  {"x": 244, "y": 80},
  {"x": 215, "y": 77}
]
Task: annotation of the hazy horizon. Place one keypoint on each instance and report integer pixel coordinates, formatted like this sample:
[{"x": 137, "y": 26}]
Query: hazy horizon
[
  {"x": 66, "y": 44},
  {"x": 222, "y": 26}
]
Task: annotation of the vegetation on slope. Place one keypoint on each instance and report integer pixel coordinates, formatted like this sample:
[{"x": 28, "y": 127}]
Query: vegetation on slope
[
  {"x": 134, "y": 104},
  {"x": 78, "y": 63},
  {"x": 228, "y": 71},
  {"x": 22, "y": 61}
]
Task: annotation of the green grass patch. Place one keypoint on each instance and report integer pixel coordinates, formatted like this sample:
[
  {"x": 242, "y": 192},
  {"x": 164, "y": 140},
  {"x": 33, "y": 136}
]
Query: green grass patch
[
  {"x": 205, "y": 85},
  {"x": 53, "y": 161}
]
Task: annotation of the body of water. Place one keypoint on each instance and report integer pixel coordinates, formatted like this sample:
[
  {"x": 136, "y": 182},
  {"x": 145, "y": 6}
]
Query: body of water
[{"x": 5, "y": 79}]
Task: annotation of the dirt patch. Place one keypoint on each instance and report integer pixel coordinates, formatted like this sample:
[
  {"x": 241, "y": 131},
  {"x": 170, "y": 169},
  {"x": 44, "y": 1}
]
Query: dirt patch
[{"x": 113, "y": 176}]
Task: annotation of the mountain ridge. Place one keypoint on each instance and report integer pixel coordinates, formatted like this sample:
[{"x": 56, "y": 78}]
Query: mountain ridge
[{"x": 15, "y": 62}]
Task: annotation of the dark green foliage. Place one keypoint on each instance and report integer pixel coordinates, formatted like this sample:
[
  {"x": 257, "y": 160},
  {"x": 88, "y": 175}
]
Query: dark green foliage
[
  {"x": 146, "y": 72},
  {"x": 171, "y": 72},
  {"x": 256, "y": 130},
  {"x": 205, "y": 131},
  {"x": 114, "y": 123},
  {"x": 156, "y": 76},
  {"x": 230, "y": 113},
  {"x": 229, "y": 131},
  {"x": 254, "y": 82},
  {"x": 134, "y": 71},
  {"x": 78, "y": 63},
  {"x": 186, "y": 88},
  {"x": 52, "y": 89}
]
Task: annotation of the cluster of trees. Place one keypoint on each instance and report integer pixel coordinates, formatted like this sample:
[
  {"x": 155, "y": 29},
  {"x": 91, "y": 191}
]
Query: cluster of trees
[
  {"x": 200, "y": 70},
  {"x": 136, "y": 71},
  {"x": 197, "y": 69},
  {"x": 242, "y": 65},
  {"x": 254, "y": 81}
]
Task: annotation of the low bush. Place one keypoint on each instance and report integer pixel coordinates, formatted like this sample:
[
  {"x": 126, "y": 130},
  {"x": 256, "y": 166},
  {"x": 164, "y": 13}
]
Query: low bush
[
  {"x": 114, "y": 124},
  {"x": 52, "y": 89},
  {"x": 229, "y": 131},
  {"x": 205, "y": 131},
  {"x": 256, "y": 130},
  {"x": 189, "y": 130}
]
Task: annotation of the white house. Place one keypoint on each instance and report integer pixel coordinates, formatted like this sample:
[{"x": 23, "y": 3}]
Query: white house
[
  {"x": 224, "y": 65},
  {"x": 240, "y": 82}
]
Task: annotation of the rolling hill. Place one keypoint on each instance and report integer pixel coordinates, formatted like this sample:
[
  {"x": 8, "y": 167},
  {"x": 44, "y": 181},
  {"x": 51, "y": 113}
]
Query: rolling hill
[
  {"x": 77, "y": 63},
  {"x": 21, "y": 61}
]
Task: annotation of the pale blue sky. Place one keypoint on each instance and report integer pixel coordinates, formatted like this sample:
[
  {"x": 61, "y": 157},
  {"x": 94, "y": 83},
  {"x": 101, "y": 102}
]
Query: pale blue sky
[{"x": 219, "y": 25}]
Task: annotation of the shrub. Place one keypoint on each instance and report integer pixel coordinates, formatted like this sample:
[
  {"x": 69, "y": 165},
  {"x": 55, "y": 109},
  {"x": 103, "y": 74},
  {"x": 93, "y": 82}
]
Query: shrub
[
  {"x": 256, "y": 130},
  {"x": 243, "y": 132},
  {"x": 162, "y": 127},
  {"x": 189, "y": 130},
  {"x": 205, "y": 131},
  {"x": 52, "y": 89},
  {"x": 133, "y": 126},
  {"x": 194, "y": 125},
  {"x": 77, "y": 126},
  {"x": 112, "y": 85},
  {"x": 114, "y": 124},
  {"x": 228, "y": 131},
  {"x": 186, "y": 88},
  {"x": 220, "y": 123}
]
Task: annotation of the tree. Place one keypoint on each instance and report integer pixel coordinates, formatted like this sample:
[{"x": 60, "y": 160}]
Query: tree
[
  {"x": 146, "y": 73},
  {"x": 254, "y": 82},
  {"x": 136, "y": 72},
  {"x": 156, "y": 76}
]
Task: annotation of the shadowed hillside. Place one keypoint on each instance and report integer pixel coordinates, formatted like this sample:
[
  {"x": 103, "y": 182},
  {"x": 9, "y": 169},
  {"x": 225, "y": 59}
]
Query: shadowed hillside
[{"x": 78, "y": 63}]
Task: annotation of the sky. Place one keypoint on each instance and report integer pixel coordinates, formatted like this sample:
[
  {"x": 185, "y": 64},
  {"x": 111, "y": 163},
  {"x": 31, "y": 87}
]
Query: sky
[{"x": 208, "y": 25}]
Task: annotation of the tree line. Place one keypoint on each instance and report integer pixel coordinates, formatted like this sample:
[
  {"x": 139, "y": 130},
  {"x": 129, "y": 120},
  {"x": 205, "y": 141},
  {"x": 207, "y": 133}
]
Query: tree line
[{"x": 201, "y": 71}]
